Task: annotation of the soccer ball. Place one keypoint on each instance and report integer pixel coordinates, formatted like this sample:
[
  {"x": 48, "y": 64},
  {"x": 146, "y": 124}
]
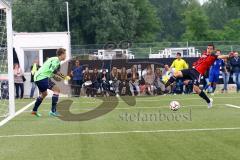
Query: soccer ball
[{"x": 174, "y": 105}]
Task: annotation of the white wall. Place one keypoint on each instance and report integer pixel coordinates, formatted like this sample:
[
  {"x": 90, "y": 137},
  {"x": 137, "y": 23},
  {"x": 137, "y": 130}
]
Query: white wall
[{"x": 39, "y": 41}]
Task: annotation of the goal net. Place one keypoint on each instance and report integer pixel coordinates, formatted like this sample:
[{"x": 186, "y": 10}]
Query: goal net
[{"x": 7, "y": 107}]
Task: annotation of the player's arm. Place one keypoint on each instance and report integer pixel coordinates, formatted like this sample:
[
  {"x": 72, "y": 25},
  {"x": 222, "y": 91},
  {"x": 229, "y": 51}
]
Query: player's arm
[
  {"x": 173, "y": 64},
  {"x": 62, "y": 76},
  {"x": 223, "y": 56}
]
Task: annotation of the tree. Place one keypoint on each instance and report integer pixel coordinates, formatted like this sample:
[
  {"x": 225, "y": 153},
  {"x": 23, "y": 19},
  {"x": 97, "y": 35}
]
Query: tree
[
  {"x": 91, "y": 21},
  {"x": 231, "y": 30},
  {"x": 197, "y": 24},
  {"x": 220, "y": 13}
]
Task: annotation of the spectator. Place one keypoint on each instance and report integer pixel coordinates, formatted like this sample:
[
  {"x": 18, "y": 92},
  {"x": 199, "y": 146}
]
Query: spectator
[
  {"x": 77, "y": 78},
  {"x": 104, "y": 80},
  {"x": 87, "y": 82},
  {"x": 34, "y": 68},
  {"x": 149, "y": 78},
  {"x": 226, "y": 74},
  {"x": 159, "y": 87},
  {"x": 124, "y": 88},
  {"x": 133, "y": 78},
  {"x": 235, "y": 64},
  {"x": 95, "y": 82},
  {"x": 179, "y": 64},
  {"x": 18, "y": 80},
  {"x": 114, "y": 77}
]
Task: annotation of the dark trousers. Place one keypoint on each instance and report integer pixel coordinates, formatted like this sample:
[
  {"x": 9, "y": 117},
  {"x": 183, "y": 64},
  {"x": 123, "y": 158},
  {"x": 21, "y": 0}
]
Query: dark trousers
[
  {"x": 21, "y": 87},
  {"x": 76, "y": 87}
]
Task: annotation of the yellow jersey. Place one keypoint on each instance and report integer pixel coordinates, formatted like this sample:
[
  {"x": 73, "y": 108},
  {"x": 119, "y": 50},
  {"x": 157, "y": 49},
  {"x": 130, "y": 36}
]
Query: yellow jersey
[{"x": 179, "y": 64}]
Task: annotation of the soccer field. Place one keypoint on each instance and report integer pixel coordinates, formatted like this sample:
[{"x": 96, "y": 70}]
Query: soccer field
[{"x": 148, "y": 130}]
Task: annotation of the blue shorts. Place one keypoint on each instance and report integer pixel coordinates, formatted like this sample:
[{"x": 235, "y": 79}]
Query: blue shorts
[
  {"x": 45, "y": 84},
  {"x": 213, "y": 77}
]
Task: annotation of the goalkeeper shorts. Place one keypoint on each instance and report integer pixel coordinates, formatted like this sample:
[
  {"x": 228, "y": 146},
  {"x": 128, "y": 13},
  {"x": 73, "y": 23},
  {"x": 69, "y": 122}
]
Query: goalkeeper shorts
[{"x": 45, "y": 84}]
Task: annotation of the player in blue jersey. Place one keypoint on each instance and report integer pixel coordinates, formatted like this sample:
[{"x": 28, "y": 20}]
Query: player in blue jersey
[{"x": 215, "y": 72}]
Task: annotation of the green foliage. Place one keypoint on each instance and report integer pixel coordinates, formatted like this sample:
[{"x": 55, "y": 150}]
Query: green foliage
[
  {"x": 232, "y": 30},
  {"x": 100, "y": 21},
  {"x": 197, "y": 25}
]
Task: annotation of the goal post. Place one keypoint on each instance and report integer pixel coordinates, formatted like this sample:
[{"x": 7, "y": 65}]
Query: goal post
[{"x": 7, "y": 43}]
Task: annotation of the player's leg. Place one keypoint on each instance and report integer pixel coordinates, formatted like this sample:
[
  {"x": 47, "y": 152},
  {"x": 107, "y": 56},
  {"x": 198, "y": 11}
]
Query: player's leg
[
  {"x": 177, "y": 74},
  {"x": 38, "y": 103},
  {"x": 42, "y": 86},
  {"x": 202, "y": 95},
  {"x": 55, "y": 97}
]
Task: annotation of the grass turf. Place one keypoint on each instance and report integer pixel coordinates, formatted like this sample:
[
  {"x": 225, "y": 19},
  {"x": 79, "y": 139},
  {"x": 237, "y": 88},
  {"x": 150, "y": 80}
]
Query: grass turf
[{"x": 218, "y": 144}]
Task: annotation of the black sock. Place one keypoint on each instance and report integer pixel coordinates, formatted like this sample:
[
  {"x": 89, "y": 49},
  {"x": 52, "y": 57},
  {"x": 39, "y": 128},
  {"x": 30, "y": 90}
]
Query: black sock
[
  {"x": 170, "y": 81},
  {"x": 37, "y": 104},
  {"x": 54, "y": 102},
  {"x": 204, "y": 96}
]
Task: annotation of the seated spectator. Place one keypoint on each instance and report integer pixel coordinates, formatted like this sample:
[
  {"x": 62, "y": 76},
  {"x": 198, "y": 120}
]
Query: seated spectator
[
  {"x": 149, "y": 78},
  {"x": 159, "y": 87},
  {"x": 95, "y": 82},
  {"x": 114, "y": 81},
  {"x": 133, "y": 78},
  {"x": 124, "y": 88},
  {"x": 104, "y": 80},
  {"x": 87, "y": 82}
]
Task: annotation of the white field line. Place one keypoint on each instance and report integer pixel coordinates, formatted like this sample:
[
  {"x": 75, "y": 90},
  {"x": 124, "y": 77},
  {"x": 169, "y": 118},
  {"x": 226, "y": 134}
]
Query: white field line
[
  {"x": 16, "y": 114},
  {"x": 127, "y": 108},
  {"x": 93, "y": 100},
  {"x": 120, "y": 132},
  {"x": 233, "y": 106}
]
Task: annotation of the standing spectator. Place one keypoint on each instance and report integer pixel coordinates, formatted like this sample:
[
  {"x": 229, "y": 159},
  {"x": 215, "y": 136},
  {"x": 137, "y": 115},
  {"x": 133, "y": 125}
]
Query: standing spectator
[
  {"x": 179, "y": 64},
  {"x": 18, "y": 80},
  {"x": 215, "y": 72},
  {"x": 124, "y": 88},
  {"x": 34, "y": 69},
  {"x": 149, "y": 78},
  {"x": 77, "y": 78},
  {"x": 226, "y": 74},
  {"x": 134, "y": 81},
  {"x": 235, "y": 64}
]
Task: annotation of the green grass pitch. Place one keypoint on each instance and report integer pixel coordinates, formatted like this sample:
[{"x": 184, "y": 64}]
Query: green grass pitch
[{"x": 146, "y": 131}]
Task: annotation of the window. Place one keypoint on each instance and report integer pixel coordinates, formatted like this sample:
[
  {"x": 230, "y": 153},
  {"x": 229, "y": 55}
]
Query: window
[{"x": 29, "y": 57}]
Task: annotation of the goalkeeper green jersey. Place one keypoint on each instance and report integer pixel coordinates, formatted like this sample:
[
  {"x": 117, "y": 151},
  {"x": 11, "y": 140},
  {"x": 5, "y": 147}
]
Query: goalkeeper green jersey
[{"x": 48, "y": 69}]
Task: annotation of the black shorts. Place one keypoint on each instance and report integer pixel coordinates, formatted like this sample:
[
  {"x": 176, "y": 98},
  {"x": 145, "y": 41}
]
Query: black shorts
[
  {"x": 192, "y": 74},
  {"x": 45, "y": 84}
]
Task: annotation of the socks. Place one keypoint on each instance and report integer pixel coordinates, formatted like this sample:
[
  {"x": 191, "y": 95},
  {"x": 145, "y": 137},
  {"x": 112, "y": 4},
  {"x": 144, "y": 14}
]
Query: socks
[
  {"x": 170, "y": 81},
  {"x": 37, "y": 104},
  {"x": 54, "y": 102},
  {"x": 204, "y": 96}
]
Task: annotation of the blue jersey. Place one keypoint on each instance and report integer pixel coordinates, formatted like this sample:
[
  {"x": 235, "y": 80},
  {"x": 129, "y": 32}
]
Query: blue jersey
[
  {"x": 77, "y": 73},
  {"x": 215, "y": 68}
]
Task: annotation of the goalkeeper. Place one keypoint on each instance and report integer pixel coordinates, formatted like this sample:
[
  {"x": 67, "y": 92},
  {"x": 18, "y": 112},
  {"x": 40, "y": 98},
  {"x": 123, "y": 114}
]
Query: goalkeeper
[{"x": 42, "y": 78}]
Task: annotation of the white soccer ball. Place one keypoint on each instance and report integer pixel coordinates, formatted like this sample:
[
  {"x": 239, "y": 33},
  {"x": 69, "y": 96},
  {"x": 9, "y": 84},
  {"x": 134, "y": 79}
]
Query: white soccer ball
[{"x": 174, "y": 105}]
